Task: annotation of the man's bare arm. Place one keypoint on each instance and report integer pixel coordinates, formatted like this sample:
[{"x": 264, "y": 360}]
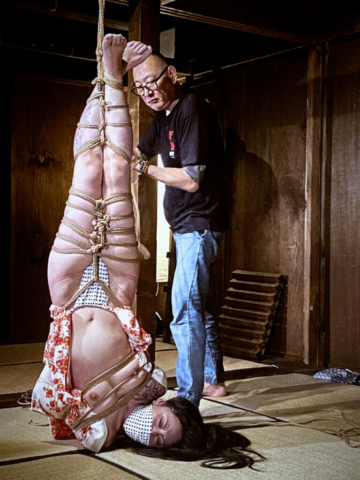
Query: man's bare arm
[{"x": 175, "y": 177}]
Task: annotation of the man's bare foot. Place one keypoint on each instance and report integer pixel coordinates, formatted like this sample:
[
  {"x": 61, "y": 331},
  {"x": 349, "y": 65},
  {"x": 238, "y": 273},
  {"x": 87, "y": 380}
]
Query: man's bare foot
[
  {"x": 113, "y": 50},
  {"x": 214, "y": 390},
  {"x": 134, "y": 54}
]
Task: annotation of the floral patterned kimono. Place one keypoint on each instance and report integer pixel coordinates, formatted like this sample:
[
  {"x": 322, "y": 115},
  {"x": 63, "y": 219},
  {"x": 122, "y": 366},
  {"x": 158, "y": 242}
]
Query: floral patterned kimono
[{"x": 53, "y": 394}]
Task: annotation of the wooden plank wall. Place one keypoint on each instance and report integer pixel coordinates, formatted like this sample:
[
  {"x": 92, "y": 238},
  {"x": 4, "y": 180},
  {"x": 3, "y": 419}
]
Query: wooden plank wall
[
  {"x": 265, "y": 125},
  {"x": 343, "y": 145},
  {"x": 262, "y": 111},
  {"x": 44, "y": 118}
]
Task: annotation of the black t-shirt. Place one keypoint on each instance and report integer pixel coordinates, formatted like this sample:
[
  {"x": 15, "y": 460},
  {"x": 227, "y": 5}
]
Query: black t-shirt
[{"x": 190, "y": 135}]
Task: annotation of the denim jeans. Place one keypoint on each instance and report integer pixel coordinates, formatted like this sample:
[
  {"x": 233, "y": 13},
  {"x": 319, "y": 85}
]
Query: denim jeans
[{"x": 194, "y": 328}]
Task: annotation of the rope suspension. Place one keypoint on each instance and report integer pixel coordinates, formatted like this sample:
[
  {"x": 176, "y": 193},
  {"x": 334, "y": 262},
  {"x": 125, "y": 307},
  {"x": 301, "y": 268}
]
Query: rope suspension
[{"x": 101, "y": 223}]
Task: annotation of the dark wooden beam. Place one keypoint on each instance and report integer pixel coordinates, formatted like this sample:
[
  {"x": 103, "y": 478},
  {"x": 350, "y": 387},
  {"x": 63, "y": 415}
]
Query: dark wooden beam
[
  {"x": 50, "y": 52},
  {"x": 244, "y": 18},
  {"x": 327, "y": 138},
  {"x": 237, "y": 25},
  {"x": 312, "y": 261},
  {"x": 144, "y": 26},
  {"x": 116, "y": 24},
  {"x": 343, "y": 25}
]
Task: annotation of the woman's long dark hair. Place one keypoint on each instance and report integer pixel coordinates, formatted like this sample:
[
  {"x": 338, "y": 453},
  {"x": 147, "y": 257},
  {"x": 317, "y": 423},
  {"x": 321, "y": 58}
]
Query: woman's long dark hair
[{"x": 217, "y": 447}]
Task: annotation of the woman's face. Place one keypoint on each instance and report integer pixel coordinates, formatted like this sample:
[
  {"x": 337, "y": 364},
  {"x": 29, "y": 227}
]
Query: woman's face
[{"x": 166, "y": 427}]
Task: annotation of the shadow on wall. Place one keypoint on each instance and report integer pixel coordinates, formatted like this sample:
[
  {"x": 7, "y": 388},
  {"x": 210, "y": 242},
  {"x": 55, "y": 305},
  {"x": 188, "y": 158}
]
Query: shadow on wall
[
  {"x": 253, "y": 200},
  {"x": 253, "y": 240}
]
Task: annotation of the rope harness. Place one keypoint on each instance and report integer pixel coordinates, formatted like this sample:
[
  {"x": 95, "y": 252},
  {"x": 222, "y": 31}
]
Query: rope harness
[
  {"x": 97, "y": 238},
  {"x": 87, "y": 419}
]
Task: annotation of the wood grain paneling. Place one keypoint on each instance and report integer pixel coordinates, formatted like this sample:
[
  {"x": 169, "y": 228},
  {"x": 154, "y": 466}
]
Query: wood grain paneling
[
  {"x": 265, "y": 141},
  {"x": 344, "y": 149},
  {"x": 44, "y": 117},
  {"x": 313, "y": 330},
  {"x": 144, "y": 26}
]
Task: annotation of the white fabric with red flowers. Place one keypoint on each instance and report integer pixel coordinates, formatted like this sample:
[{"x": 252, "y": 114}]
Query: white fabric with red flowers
[{"x": 53, "y": 393}]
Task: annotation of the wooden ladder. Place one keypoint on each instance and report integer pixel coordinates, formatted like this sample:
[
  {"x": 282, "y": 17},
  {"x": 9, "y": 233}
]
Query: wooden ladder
[{"x": 251, "y": 305}]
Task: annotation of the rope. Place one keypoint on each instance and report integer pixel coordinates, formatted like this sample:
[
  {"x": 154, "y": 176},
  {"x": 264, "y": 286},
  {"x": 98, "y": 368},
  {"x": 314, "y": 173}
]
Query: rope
[
  {"x": 108, "y": 373},
  {"x": 101, "y": 223},
  {"x": 86, "y": 419},
  {"x": 113, "y": 83},
  {"x": 100, "y": 38},
  {"x": 101, "y": 80},
  {"x": 97, "y": 238},
  {"x": 117, "y": 149}
]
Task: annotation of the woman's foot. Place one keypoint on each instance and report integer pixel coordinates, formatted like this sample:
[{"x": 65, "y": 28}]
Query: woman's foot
[
  {"x": 214, "y": 390},
  {"x": 134, "y": 54},
  {"x": 113, "y": 50}
]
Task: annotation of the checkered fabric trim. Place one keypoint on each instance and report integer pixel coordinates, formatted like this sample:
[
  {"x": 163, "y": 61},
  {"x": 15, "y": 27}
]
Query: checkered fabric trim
[
  {"x": 94, "y": 295},
  {"x": 138, "y": 425}
]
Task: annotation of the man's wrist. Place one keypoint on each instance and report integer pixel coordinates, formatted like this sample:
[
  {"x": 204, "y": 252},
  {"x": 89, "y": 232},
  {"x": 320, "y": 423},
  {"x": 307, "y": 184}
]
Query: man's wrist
[{"x": 143, "y": 166}]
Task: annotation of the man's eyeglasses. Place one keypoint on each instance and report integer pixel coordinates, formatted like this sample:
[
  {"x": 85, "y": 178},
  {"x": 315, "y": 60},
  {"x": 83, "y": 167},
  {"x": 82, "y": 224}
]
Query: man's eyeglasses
[{"x": 151, "y": 86}]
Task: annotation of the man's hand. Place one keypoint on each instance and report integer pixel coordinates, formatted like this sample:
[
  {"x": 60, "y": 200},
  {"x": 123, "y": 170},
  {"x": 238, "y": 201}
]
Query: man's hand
[
  {"x": 137, "y": 158},
  {"x": 175, "y": 177}
]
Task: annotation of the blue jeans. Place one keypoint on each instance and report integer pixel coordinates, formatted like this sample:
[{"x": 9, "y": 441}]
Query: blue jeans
[{"x": 194, "y": 328}]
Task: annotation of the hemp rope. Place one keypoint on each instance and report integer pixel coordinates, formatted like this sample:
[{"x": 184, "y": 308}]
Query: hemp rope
[
  {"x": 98, "y": 236},
  {"x": 101, "y": 225},
  {"x": 87, "y": 420}
]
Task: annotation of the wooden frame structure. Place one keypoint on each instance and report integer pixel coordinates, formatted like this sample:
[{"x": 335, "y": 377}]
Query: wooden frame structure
[{"x": 141, "y": 20}]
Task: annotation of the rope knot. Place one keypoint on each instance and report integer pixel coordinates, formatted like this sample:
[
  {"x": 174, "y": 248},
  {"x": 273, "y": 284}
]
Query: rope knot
[
  {"x": 99, "y": 204},
  {"x": 98, "y": 80},
  {"x": 96, "y": 248},
  {"x": 103, "y": 223},
  {"x": 94, "y": 238}
]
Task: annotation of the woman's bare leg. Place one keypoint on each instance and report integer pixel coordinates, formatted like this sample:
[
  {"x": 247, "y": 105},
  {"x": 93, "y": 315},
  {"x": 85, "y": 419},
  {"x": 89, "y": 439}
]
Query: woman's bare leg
[
  {"x": 65, "y": 270},
  {"x": 101, "y": 174},
  {"x": 116, "y": 180}
]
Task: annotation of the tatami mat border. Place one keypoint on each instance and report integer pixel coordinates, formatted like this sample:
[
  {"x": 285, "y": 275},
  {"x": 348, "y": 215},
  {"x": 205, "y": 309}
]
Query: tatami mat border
[
  {"x": 219, "y": 402},
  {"x": 63, "y": 454},
  {"x": 120, "y": 467},
  {"x": 14, "y": 461}
]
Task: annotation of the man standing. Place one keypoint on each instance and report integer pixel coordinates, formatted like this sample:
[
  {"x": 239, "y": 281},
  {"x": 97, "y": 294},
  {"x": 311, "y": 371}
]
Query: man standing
[{"x": 186, "y": 133}]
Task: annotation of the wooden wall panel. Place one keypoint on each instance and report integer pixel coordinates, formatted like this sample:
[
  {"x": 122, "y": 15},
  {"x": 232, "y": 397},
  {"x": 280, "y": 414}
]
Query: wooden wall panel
[
  {"x": 144, "y": 26},
  {"x": 44, "y": 118},
  {"x": 265, "y": 139},
  {"x": 344, "y": 147}
]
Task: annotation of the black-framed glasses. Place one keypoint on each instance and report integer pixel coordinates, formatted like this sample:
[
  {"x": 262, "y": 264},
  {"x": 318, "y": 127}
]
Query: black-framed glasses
[{"x": 151, "y": 86}]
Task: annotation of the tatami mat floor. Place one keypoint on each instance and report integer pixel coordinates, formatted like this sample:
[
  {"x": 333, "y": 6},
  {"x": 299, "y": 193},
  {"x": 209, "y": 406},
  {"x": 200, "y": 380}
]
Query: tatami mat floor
[{"x": 293, "y": 420}]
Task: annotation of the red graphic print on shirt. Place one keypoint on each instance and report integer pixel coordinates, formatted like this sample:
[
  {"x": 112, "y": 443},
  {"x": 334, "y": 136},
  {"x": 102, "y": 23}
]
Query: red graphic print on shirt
[{"x": 172, "y": 144}]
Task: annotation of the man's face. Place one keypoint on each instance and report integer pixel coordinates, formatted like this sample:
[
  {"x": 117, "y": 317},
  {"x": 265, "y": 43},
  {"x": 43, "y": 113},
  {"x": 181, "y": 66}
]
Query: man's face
[{"x": 165, "y": 94}]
